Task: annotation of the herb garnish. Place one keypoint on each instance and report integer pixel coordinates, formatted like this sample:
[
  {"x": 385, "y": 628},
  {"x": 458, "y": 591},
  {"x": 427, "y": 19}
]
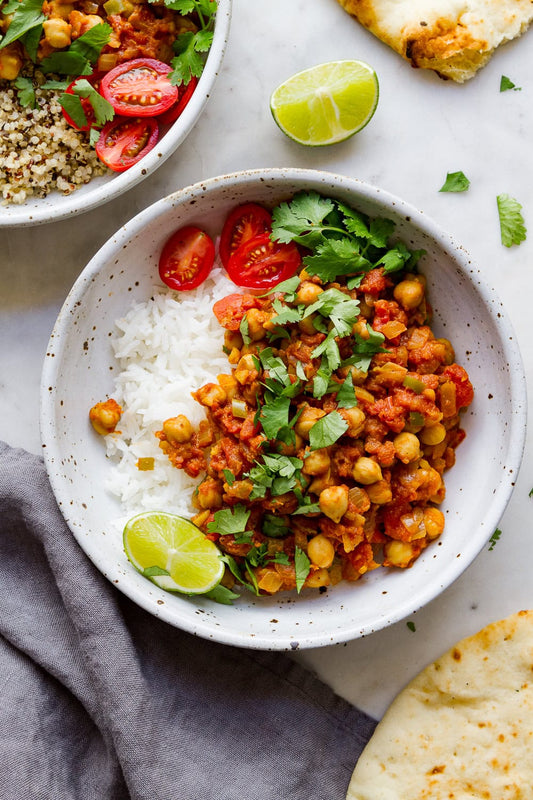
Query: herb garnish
[
  {"x": 455, "y": 182},
  {"x": 26, "y": 14},
  {"x": 190, "y": 48},
  {"x": 103, "y": 110},
  {"x": 506, "y": 84},
  {"x": 512, "y": 226},
  {"x": 494, "y": 538}
]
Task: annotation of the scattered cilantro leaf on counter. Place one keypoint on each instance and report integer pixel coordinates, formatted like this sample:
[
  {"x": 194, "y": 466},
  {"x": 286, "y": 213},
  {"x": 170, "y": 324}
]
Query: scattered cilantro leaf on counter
[
  {"x": 512, "y": 226},
  {"x": 530, "y": 493},
  {"x": 411, "y": 626},
  {"x": 190, "y": 47},
  {"x": 27, "y": 14},
  {"x": 327, "y": 430},
  {"x": 25, "y": 92},
  {"x": 302, "y": 567},
  {"x": 229, "y": 520},
  {"x": 506, "y": 84},
  {"x": 494, "y": 538},
  {"x": 455, "y": 182}
]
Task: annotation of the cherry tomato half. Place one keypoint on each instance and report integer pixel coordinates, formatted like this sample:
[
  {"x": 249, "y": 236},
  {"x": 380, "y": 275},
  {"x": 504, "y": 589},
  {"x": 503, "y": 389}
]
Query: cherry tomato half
[
  {"x": 260, "y": 263},
  {"x": 186, "y": 258},
  {"x": 125, "y": 140},
  {"x": 88, "y": 110},
  {"x": 242, "y": 224},
  {"x": 139, "y": 88},
  {"x": 230, "y": 310},
  {"x": 184, "y": 95}
]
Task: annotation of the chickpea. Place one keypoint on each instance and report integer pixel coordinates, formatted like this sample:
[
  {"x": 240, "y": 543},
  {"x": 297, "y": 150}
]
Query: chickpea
[
  {"x": 306, "y": 325},
  {"x": 355, "y": 417},
  {"x": 398, "y": 554},
  {"x": 433, "y": 435},
  {"x": 409, "y": 293},
  {"x": 210, "y": 395},
  {"x": 366, "y": 471},
  {"x": 434, "y": 522},
  {"x": 209, "y": 494},
  {"x": 307, "y": 419},
  {"x": 308, "y": 293},
  {"x": 246, "y": 368},
  {"x": 407, "y": 447},
  {"x": 10, "y": 62},
  {"x": 229, "y": 384},
  {"x": 320, "y": 483},
  {"x": 321, "y": 551},
  {"x": 105, "y": 416},
  {"x": 379, "y": 492},
  {"x": 333, "y": 502},
  {"x": 57, "y": 32},
  {"x": 232, "y": 339},
  {"x": 317, "y": 462},
  {"x": 317, "y": 578},
  {"x": 256, "y": 319},
  {"x": 178, "y": 429}
]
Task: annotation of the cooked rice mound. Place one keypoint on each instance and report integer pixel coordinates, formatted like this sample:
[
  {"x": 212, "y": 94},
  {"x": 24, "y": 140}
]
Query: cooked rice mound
[{"x": 39, "y": 151}]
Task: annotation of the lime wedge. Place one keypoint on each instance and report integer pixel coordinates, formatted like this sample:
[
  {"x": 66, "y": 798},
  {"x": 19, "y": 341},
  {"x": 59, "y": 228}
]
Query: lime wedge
[
  {"x": 326, "y": 104},
  {"x": 172, "y": 552}
]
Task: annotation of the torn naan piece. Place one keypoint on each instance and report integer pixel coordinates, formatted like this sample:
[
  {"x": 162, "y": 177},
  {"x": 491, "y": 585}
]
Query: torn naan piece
[
  {"x": 452, "y": 37},
  {"x": 463, "y": 728}
]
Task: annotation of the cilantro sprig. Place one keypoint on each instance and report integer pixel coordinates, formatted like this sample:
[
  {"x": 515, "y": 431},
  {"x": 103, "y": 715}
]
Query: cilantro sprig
[
  {"x": 512, "y": 226},
  {"x": 342, "y": 241},
  {"x": 191, "y": 48}
]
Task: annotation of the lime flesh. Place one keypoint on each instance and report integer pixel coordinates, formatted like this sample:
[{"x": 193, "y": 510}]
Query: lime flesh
[
  {"x": 172, "y": 552},
  {"x": 326, "y": 104}
]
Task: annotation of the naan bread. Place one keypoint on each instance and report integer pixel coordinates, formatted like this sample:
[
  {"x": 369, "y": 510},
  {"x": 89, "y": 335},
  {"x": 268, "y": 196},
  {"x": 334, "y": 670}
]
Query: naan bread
[
  {"x": 452, "y": 37},
  {"x": 463, "y": 728}
]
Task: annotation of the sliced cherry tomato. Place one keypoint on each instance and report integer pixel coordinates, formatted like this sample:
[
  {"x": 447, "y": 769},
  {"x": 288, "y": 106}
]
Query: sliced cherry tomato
[
  {"x": 184, "y": 95},
  {"x": 260, "y": 263},
  {"x": 139, "y": 88},
  {"x": 88, "y": 110},
  {"x": 187, "y": 258},
  {"x": 230, "y": 310},
  {"x": 242, "y": 224},
  {"x": 124, "y": 141}
]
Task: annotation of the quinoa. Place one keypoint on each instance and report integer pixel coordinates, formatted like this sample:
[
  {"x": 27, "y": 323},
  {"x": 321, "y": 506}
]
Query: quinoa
[{"x": 39, "y": 151}]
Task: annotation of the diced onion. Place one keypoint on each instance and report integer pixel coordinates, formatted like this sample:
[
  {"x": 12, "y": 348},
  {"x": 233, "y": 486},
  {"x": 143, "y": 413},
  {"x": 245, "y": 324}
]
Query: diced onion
[{"x": 239, "y": 408}]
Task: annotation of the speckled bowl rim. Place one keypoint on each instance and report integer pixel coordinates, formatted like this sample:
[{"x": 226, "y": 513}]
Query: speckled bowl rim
[
  {"x": 515, "y": 440},
  {"x": 101, "y": 190}
]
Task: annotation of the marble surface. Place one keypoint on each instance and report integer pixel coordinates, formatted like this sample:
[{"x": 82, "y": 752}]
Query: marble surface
[{"x": 423, "y": 128}]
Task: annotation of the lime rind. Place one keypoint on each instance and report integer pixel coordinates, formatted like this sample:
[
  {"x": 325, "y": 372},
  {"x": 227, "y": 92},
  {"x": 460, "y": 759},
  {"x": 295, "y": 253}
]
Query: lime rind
[
  {"x": 171, "y": 543},
  {"x": 326, "y": 104}
]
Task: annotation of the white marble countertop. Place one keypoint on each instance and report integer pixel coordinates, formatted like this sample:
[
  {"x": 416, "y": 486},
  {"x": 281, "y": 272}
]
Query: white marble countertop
[{"x": 423, "y": 128}]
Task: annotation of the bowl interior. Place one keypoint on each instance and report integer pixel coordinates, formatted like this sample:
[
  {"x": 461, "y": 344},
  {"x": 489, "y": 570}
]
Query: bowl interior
[
  {"x": 100, "y": 190},
  {"x": 79, "y": 370}
]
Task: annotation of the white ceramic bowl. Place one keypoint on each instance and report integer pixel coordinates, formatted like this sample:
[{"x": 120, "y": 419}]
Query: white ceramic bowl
[
  {"x": 56, "y": 206},
  {"x": 78, "y": 368}
]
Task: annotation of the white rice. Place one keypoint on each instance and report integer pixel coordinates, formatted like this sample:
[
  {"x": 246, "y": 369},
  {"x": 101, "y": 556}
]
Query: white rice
[{"x": 166, "y": 348}]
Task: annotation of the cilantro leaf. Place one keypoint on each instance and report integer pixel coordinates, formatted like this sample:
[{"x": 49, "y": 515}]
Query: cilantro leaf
[
  {"x": 221, "y": 594},
  {"x": 281, "y": 558},
  {"x": 187, "y": 63},
  {"x": 31, "y": 40},
  {"x": 346, "y": 394},
  {"x": 229, "y": 520},
  {"x": 274, "y": 415},
  {"x": 455, "y": 182},
  {"x": 302, "y": 567},
  {"x": 274, "y": 527},
  {"x": 301, "y": 220},
  {"x": 506, "y": 84},
  {"x": 103, "y": 110},
  {"x": 512, "y": 226},
  {"x": 327, "y": 430},
  {"x": 494, "y": 538},
  {"x": 288, "y": 288},
  {"x": 81, "y": 54},
  {"x": 335, "y": 257},
  {"x": 395, "y": 258},
  {"x": 26, "y": 92},
  {"x": 27, "y": 14}
]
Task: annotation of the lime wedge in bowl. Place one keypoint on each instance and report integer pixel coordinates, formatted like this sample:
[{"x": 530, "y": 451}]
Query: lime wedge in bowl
[
  {"x": 326, "y": 104},
  {"x": 172, "y": 552}
]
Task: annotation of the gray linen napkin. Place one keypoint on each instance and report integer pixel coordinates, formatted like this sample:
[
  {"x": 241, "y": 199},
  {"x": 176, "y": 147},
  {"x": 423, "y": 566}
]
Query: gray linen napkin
[{"x": 101, "y": 700}]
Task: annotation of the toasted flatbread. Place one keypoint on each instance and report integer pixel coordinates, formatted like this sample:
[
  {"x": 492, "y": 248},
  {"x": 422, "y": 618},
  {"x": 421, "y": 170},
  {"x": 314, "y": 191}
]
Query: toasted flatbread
[
  {"x": 463, "y": 728},
  {"x": 452, "y": 37}
]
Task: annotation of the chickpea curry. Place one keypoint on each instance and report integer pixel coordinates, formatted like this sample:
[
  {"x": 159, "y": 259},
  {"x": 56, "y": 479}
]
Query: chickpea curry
[{"x": 323, "y": 449}]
